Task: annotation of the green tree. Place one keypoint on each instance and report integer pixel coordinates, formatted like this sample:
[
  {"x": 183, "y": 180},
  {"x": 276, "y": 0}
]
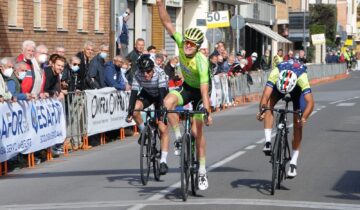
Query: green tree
[{"x": 324, "y": 16}]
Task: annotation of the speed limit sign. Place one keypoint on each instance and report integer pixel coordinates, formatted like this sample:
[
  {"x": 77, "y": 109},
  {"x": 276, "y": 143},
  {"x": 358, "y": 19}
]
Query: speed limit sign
[{"x": 218, "y": 19}]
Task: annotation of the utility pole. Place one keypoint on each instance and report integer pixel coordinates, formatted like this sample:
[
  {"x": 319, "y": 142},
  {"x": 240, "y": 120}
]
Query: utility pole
[{"x": 304, "y": 39}]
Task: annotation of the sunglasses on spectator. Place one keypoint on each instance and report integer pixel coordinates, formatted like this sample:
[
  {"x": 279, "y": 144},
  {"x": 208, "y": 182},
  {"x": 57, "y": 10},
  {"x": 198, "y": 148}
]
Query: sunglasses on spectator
[
  {"x": 192, "y": 44},
  {"x": 76, "y": 64}
]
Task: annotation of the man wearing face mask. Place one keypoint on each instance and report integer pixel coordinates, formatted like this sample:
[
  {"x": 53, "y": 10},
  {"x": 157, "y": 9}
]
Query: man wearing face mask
[
  {"x": 70, "y": 76},
  {"x": 95, "y": 76},
  {"x": 39, "y": 64},
  {"x": 113, "y": 74},
  {"x": 27, "y": 55},
  {"x": 250, "y": 62},
  {"x": 6, "y": 65},
  {"x": 170, "y": 70},
  {"x": 13, "y": 80}
]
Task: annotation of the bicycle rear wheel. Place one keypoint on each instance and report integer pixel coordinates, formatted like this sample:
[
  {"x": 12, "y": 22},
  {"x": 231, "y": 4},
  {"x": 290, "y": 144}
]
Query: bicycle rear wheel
[
  {"x": 281, "y": 163},
  {"x": 156, "y": 152},
  {"x": 194, "y": 167},
  {"x": 275, "y": 162},
  {"x": 185, "y": 165},
  {"x": 145, "y": 155}
]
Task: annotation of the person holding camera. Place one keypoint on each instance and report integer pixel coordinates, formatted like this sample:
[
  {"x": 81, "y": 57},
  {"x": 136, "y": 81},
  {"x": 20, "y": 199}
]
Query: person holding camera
[{"x": 122, "y": 41}]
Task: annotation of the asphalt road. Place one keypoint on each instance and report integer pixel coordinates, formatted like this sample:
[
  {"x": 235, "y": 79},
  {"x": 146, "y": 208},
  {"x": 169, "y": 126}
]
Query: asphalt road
[{"x": 107, "y": 177}]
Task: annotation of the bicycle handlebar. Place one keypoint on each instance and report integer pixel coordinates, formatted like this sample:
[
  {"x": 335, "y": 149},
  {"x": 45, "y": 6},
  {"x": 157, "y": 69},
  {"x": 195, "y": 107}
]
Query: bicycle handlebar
[{"x": 285, "y": 111}]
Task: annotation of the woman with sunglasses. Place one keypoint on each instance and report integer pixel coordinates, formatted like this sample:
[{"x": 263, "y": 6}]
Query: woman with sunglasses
[
  {"x": 195, "y": 70},
  {"x": 153, "y": 83}
]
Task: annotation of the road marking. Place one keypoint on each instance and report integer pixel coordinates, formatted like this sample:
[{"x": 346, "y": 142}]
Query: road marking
[
  {"x": 343, "y": 100},
  {"x": 345, "y": 104},
  {"x": 250, "y": 147},
  {"x": 204, "y": 201}
]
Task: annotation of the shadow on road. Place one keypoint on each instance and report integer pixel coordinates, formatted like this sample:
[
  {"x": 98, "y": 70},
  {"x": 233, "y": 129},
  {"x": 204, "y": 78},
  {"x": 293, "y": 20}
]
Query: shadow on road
[
  {"x": 262, "y": 186},
  {"x": 343, "y": 131},
  {"x": 348, "y": 186}
]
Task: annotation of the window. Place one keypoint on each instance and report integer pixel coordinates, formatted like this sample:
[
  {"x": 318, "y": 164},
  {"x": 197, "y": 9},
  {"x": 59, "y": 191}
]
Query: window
[
  {"x": 80, "y": 15},
  {"x": 37, "y": 13},
  {"x": 12, "y": 13},
  {"x": 60, "y": 14},
  {"x": 97, "y": 15}
]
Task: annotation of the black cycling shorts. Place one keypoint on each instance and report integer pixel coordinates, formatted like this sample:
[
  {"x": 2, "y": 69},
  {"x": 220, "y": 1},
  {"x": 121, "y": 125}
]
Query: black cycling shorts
[{"x": 297, "y": 97}]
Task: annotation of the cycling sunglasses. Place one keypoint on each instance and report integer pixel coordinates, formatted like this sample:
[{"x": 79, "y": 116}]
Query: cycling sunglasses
[{"x": 192, "y": 44}]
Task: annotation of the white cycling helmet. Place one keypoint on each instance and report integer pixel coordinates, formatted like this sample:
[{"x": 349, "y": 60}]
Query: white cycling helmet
[{"x": 286, "y": 82}]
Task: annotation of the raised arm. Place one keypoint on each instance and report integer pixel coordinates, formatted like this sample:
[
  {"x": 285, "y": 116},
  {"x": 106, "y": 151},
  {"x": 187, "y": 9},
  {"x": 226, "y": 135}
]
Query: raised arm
[{"x": 165, "y": 18}]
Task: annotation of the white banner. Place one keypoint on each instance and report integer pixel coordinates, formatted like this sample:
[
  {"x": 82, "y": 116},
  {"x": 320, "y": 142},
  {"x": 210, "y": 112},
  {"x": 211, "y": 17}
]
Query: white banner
[
  {"x": 107, "y": 109},
  {"x": 27, "y": 127}
]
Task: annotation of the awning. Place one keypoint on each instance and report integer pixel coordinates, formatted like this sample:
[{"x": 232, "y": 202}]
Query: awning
[{"x": 268, "y": 32}]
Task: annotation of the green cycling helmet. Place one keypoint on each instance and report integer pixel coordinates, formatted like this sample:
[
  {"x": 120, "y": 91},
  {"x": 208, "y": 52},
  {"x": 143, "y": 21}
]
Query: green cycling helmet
[{"x": 195, "y": 35}]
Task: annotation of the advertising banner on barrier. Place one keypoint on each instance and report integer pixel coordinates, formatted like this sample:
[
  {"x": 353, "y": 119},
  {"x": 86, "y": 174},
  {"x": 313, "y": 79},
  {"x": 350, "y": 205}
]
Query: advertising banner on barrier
[
  {"x": 106, "y": 110},
  {"x": 27, "y": 127}
]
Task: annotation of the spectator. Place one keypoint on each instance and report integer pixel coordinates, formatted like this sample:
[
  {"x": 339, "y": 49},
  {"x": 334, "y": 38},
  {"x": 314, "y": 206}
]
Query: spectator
[
  {"x": 113, "y": 74},
  {"x": 240, "y": 55},
  {"x": 124, "y": 68},
  {"x": 133, "y": 56},
  {"x": 165, "y": 54},
  {"x": 213, "y": 61},
  {"x": 28, "y": 51},
  {"x": 60, "y": 50},
  {"x": 159, "y": 60},
  {"x": 6, "y": 67},
  {"x": 224, "y": 55},
  {"x": 219, "y": 48},
  {"x": 347, "y": 58},
  {"x": 220, "y": 64},
  {"x": 170, "y": 70},
  {"x": 95, "y": 76},
  {"x": 122, "y": 41},
  {"x": 70, "y": 78},
  {"x": 302, "y": 57},
  {"x": 227, "y": 64},
  {"x": 151, "y": 49},
  {"x": 250, "y": 62},
  {"x": 278, "y": 58},
  {"x": 265, "y": 63},
  {"x": 39, "y": 64},
  {"x": 85, "y": 57},
  {"x": 13, "y": 79},
  {"x": 289, "y": 56},
  {"x": 204, "y": 51},
  {"x": 52, "y": 77}
]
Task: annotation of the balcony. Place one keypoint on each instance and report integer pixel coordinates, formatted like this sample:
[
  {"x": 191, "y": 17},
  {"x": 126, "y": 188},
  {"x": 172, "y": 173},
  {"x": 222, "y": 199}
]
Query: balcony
[{"x": 259, "y": 12}]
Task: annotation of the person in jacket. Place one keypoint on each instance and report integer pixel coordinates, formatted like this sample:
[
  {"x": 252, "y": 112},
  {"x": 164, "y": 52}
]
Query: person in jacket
[
  {"x": 6, "y": 65},
  {"x": 265, "y": 63},
  {"x": 52, "y": 77},
  {"x": 13, "y": 78},
  {"x": 133, "y": 56},
  {"x": 27, "y": 55},
  {"x": 113, "y": 74},
  {"x": 95, "y": 77},
  {"x": 85, "y": 57},
  {"x": 123, "y": 34}
]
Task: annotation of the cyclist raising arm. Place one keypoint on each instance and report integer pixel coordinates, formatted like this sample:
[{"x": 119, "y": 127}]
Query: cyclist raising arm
[
  {"x": 153, "y": 83},
  {"x": 195, "y": 69},
  {"x": 288, "y": 77}
]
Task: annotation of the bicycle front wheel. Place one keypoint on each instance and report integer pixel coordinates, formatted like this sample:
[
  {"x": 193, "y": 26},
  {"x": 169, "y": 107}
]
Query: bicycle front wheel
[
  {"x": 145, "y": 155},
  {"x": 156, "y": 147},
  {"x": 194, "y": 167},
  {"x": 185, "y": 165},
  {"x": 275, "y": 162}
]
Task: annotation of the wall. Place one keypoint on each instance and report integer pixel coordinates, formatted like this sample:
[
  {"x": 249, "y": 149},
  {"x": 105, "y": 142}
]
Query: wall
[{"x": 70, "y": 38}]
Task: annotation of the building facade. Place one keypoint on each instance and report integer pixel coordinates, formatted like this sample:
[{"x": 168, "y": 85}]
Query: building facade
[{"x": 67, "y": 23}]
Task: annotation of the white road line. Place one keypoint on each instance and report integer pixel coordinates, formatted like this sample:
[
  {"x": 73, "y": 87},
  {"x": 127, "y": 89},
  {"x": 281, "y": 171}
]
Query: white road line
[
  {"x": 345, "y": 104},
  {"x": 204, "y": 201},
  {"x": 250, "y": 147},
  {"x": 343, "y": 100}
]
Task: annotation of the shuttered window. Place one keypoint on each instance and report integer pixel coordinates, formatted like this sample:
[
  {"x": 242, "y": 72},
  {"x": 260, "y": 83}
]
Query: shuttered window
[
  {"x": 80, "y": 15},
  {"x": 60, "y": 14},
  {"x": 37, "y": 13},
  {"x": 170, "y": 45},
  {"x": 97, "y": 15},
  {"x": 12, "y": 12}
]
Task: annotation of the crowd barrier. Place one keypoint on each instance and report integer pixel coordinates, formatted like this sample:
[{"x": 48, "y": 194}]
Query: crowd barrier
[{"x": 30, "y": 126}]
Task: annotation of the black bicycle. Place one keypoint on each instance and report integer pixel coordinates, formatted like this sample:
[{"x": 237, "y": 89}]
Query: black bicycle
[
  {"x": 150, "y": 149},
  {"x": 280, "y": 153},
  {"x": 189, "y": 164}
]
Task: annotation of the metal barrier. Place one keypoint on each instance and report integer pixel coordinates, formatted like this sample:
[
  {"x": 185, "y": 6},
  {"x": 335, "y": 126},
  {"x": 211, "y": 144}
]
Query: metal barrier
[{"x": 76, "y": 123}]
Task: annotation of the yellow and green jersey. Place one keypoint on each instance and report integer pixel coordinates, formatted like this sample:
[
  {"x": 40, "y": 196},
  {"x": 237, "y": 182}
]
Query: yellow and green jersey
[{"x": 195, "y": 70}]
